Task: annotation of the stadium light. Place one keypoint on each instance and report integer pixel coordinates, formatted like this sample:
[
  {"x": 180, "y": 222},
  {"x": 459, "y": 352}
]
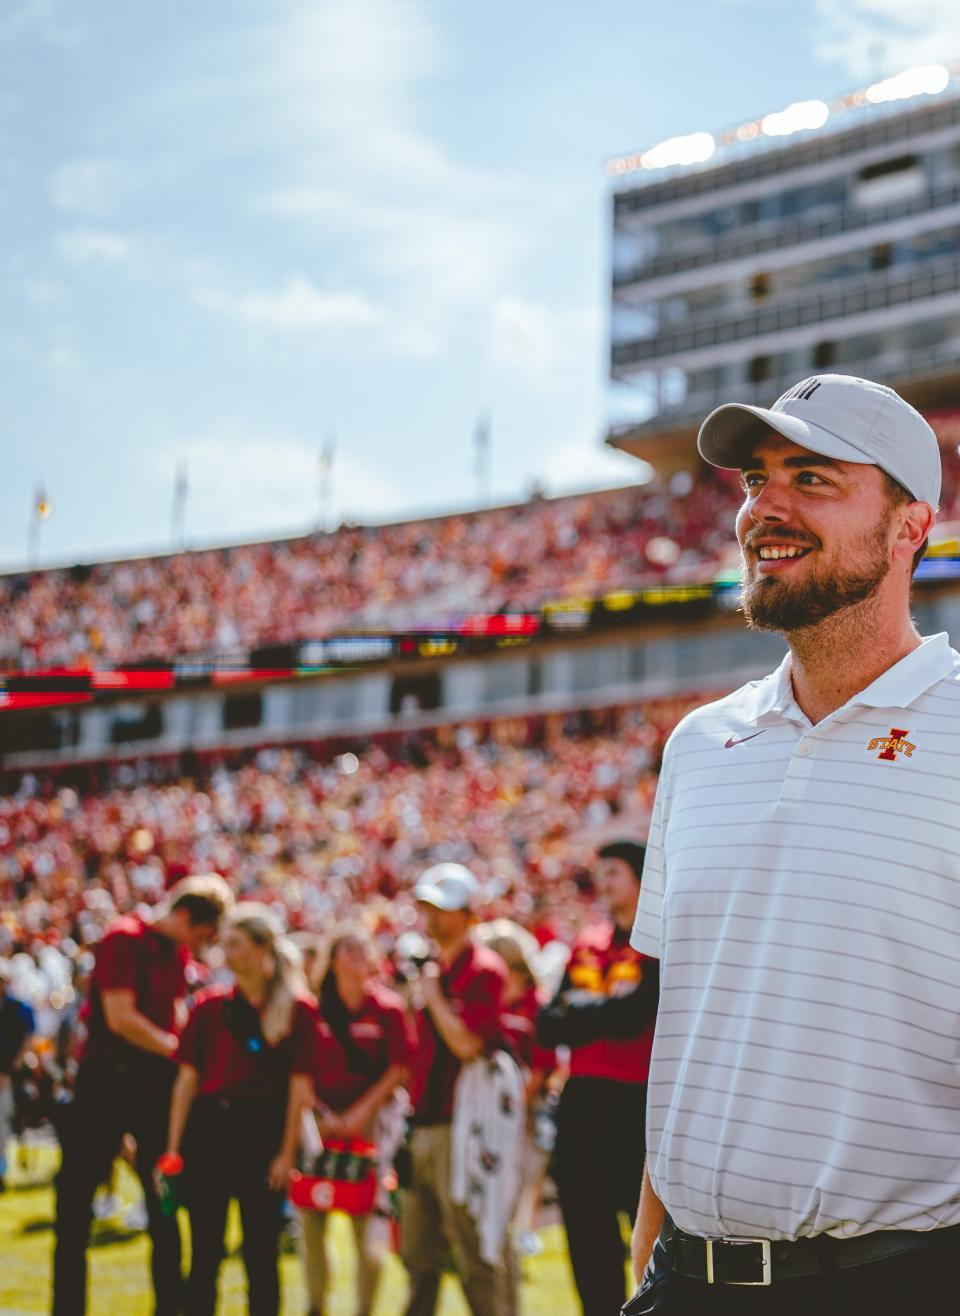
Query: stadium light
[
  {"x": 924, "y": 80},
  {"x": 798, "y": 117},
  {"x": 697, "y": 148}
]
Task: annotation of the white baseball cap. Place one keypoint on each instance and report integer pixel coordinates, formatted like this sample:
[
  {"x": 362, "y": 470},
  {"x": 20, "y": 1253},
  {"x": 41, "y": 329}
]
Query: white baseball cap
[
  {"x": 447, "y": 886},
  {"x": 839, "y": 416}
]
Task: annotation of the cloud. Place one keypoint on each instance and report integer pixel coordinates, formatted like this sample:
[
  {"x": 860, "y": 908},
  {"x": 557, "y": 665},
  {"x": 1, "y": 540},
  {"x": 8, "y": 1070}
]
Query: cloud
[
  {"x": 95, "y": 247},
  {"x": 242, "y": 484},
  {"x": 875, "y": 38},
  {"x": 87, "y": 186},
  {"x": 45, "y": 19},
  {"x": 330, "y": 99},
  {"x": 299, "y": 307}
]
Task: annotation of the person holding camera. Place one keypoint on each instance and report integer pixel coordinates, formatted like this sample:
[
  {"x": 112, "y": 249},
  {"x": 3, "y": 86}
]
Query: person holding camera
[
  {"x": 460, "y": 1003},
  {"x": 365, "y": 1045},
  {"x": 125, "y": 1076},
  {"x": 246, "y": 1060}
]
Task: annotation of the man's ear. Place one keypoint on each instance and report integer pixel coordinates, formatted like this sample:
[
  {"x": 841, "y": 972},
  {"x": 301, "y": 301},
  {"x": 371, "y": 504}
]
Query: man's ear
[{"x": 916, "y": 522}]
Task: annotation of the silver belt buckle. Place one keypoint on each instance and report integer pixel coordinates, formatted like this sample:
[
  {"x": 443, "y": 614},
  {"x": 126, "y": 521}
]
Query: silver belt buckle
[{"x": 743, "y": 1242}]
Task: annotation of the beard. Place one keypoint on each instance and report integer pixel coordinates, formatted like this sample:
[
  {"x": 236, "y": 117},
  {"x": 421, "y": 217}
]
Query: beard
[{"x": 769, "y": 604}]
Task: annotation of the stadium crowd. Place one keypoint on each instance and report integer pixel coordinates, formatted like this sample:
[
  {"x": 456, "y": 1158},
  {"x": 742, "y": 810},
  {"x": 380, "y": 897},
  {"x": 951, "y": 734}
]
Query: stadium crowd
[
  {"x": 522, "y": 801},
  {"x": 231, "y": 600},
  {"x": 321, "y": 839}
]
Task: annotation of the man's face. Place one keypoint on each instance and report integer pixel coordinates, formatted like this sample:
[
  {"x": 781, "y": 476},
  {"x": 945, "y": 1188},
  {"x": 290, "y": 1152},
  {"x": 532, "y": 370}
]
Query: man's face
[
  {"x": 443, "y": 925},
  {"x": 617, "y": 886},
  {"x": 194, "y": 936},
  {"x": 815, "y": 535}
]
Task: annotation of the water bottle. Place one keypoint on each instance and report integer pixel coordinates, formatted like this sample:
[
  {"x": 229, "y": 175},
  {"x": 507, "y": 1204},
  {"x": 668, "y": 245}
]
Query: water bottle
[{"x": 169, "y": 1170}]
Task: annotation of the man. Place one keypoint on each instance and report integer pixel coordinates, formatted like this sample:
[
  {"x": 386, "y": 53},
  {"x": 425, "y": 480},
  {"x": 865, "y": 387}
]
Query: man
[
  {"x": 16, "y": 1031},
  {"x": 125, "y": 1078},
  {"x": 802, "y": 889},
  {"x": 604, "y": 1011},
  {"x": 458, "y": 1020}
]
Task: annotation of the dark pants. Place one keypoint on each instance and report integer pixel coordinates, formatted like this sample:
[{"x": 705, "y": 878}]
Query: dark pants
[
  {"x": 110, "y": 1102},
  {"x": 598, "y": 1168},
  {"x": 919, "y": 1283},
  {"x": 227, "y": 1152}
]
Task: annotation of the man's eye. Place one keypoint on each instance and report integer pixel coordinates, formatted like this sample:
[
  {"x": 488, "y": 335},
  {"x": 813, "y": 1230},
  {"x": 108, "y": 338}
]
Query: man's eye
[
  {"x": 809, "y": 477},
  {"x": 751, "y": 479}
]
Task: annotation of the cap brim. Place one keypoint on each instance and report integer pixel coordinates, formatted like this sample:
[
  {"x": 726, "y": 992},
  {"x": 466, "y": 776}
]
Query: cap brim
[
  {"x": 432, "y": 895},
  {"x": 729, "y": 435}
]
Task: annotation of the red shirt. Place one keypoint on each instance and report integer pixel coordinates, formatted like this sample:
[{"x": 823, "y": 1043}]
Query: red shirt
[
  {"x": 134, "y": 957},
  {"x": 226, "y": 1069},
  {"x": 474, "y": 986},
  {"x": 381, "y": 1029},
  {"x": 602, "y": 959},
  {"x": 519, "y": 1023}
]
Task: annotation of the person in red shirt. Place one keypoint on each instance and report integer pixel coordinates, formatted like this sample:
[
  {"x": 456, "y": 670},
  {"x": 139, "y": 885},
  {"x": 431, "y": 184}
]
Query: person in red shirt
[
  {"x": 124, "y": 1079},
  {"x": 246, "y": 1058},
  {"x": 604, "y": 1011},
  {"x": 460, "y": 997},
  {"x": 365, "y": 1045}
]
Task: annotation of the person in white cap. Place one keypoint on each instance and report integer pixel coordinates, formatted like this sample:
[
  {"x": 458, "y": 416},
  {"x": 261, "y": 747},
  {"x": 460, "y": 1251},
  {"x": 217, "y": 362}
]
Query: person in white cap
[
  {"x": 802, "y": 892},
  {"x": 461, "y": 997}
]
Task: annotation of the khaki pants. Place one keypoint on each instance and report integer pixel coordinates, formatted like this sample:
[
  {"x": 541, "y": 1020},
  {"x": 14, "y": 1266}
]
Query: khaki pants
[
  {"x": 316, "y": 1265},
  {"x": 430, "y": 1224}
]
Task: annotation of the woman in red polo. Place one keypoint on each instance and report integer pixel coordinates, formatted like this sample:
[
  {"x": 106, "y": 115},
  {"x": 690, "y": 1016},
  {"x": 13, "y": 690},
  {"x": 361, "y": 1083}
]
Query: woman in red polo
[
  {"x": 365, "y": 1045},
  {"x": 246, "y": 1058}
]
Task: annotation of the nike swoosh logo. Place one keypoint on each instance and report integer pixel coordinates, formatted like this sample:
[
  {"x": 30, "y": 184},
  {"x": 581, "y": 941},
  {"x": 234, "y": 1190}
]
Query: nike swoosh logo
[{"x": 732, "y": 740}]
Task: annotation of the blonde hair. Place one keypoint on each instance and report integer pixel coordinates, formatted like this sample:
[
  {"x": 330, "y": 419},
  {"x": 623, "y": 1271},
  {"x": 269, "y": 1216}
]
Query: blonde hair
[
  {"x": 517, "y": 947},
  {"x": 285, "y": 983}
]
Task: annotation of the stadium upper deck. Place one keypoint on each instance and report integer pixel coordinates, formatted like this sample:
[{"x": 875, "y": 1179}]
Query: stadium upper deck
[
  {"x": 744, "y": 263},
  {"x": 385, "y": 578}
]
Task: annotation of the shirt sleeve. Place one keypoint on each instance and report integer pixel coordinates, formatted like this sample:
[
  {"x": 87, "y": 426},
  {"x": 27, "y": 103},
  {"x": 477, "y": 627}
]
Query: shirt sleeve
[
  {"x": 117, "y": 962},
  {"x": 647, "y": 926},
  {"x": 482, "y": 1006}
]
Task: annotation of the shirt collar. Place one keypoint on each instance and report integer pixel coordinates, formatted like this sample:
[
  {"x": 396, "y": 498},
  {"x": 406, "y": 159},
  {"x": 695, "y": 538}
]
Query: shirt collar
[
  {"x": 907, "y": 680},
  {"x": 897, "y": 687}
]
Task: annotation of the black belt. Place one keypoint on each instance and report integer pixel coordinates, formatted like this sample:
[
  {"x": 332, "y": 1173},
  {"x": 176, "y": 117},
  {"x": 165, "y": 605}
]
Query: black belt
[{"x": 761, "y": 1261}]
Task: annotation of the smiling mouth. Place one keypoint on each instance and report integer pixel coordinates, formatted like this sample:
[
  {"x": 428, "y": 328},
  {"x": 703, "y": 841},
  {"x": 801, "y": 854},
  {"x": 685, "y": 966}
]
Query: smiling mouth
[{"x": 774, "y": 552}]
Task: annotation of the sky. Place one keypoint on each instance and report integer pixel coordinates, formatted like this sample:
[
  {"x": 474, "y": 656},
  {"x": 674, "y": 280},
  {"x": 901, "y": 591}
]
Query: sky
[{"x": 238, "y": 232}]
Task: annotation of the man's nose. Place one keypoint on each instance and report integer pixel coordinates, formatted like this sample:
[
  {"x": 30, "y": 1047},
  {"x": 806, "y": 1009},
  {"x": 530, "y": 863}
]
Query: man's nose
[{"x": 770, "y": 505}]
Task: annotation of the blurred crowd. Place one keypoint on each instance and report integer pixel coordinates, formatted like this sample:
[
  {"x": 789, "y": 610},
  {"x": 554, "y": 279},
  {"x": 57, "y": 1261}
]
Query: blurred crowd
[
  {"x": 232, "y": 600},
  {"x": 236, "y": 599},
  {"x": 522, "y": 802}
]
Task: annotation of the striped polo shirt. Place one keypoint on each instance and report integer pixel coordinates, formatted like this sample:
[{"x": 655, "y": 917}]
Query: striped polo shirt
[{"x": 802, "y": 890}]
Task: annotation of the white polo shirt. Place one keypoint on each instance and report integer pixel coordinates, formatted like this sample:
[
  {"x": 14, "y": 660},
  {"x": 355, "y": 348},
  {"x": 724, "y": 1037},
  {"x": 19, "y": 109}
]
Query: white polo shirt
[{"x": 802, "y": 891}]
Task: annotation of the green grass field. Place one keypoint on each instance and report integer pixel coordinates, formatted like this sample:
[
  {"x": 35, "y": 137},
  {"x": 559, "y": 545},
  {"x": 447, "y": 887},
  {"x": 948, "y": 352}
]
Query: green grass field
[{"x": 118, "y": 1262}]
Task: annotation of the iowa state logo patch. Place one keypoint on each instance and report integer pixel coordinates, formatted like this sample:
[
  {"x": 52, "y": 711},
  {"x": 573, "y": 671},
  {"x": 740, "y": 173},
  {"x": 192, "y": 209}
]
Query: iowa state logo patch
[{"x": 892, "y": 745}]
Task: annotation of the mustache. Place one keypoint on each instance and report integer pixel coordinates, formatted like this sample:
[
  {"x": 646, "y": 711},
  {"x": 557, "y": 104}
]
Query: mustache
[{"x": 781, "y": 536}]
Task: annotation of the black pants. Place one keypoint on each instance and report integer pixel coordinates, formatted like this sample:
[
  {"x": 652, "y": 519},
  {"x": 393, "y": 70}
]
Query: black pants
[
  {"x": 227, "y": 1152},
  {"x": 919, "y": 1283},
  {"x": 110, "y": 1102},
  {"x": 598, "y": 1167}
]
